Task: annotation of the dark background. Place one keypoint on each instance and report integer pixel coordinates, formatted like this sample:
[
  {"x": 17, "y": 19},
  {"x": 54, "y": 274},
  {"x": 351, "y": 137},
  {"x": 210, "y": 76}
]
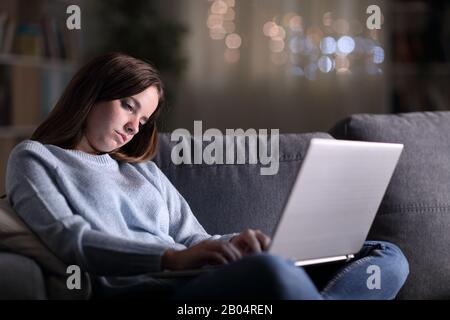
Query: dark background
[{"x": 260, "y": 85}]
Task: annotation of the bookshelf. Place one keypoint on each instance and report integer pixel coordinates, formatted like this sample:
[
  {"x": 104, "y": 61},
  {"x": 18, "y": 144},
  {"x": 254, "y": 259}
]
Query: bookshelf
[
  {"x": 420, "y": 68},
  {"x": 38, "y": 56}
]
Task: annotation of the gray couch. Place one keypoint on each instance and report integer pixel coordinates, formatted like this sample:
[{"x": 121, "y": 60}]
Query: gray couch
[{"x": 415, "y": 213}]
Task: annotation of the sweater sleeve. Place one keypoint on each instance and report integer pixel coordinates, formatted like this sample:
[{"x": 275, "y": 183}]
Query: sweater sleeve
[
  {"x": 35, "y": 196},
  {"x": 184, "y": 226}
]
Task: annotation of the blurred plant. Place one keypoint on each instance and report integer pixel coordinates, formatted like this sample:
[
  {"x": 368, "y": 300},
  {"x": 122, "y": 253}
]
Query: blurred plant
[{"x": 136, "y": 27}]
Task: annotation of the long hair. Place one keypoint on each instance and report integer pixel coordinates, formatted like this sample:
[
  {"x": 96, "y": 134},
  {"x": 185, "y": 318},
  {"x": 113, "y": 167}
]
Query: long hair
[{"x": 108, "y": 77}]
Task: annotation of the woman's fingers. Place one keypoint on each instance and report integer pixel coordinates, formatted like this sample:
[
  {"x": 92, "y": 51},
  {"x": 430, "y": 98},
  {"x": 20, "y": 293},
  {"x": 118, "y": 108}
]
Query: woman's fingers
[
  {"x": 213, "y": 257},
  {"x": 219, "y": 252},
  {"x": 263, "y": 239},
  {"x": 223, "y": 252},
  {"x": 255, "y": 245},
  {"x": 227, "y": 249},
  {"x": 253, "y": 241},
  {"x": 237, "y": 253}
]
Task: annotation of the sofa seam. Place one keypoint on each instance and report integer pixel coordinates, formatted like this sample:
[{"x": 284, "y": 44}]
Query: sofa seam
[
  {"x": 413, "y": 208},
  {"x": 202, "y": 165}
]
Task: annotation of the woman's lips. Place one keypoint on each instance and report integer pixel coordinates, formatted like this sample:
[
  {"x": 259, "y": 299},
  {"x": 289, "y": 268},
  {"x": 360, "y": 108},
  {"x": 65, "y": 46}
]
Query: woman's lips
[{"x": 122, "y": 137}]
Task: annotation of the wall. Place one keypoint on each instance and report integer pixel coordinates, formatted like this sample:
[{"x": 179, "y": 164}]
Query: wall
[{"x": 256, "y": 93}]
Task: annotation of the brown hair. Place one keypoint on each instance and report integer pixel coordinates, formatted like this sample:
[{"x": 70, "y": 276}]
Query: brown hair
[{"x": 108, "y": 77}]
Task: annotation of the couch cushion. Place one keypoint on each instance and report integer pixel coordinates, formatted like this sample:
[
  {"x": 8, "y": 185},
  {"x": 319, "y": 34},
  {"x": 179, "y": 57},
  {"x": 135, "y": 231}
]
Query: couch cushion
[
  {"x": 415, "y": 212},
  {"x": 16, "y": 237},
  {"x": 20, "y": 278},
  {"x": 229, "y": 198}
]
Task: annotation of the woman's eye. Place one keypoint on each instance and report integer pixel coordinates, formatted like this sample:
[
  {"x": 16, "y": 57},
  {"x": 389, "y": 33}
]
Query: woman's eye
[{"x": 127, "y": 106}]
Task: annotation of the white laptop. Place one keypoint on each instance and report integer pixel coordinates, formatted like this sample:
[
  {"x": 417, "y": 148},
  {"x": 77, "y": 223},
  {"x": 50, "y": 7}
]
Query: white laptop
[{"x": 332, "y": 204}]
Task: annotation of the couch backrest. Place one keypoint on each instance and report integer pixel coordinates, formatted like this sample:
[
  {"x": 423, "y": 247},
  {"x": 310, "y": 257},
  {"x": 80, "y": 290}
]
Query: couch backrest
[
  {"x": 229, "y": 198},
  {"x": 415, "y": 212}
]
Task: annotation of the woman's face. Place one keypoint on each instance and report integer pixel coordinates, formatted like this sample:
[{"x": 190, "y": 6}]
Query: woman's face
[{"x": 112, "y": 124}]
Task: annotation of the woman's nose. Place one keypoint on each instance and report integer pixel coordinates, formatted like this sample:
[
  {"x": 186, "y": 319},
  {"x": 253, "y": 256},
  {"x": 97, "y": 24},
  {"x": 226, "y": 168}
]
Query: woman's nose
[
  {"x": 129, "y": 130},
  {"x": 132, "y": 127}
]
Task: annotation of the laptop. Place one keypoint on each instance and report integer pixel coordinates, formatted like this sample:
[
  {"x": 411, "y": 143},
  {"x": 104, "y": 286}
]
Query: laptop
[{"x": 332, "y": 204}]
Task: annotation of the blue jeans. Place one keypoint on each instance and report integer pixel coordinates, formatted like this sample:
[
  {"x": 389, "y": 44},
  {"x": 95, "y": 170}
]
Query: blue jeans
[{"x": 378, "y": 271}]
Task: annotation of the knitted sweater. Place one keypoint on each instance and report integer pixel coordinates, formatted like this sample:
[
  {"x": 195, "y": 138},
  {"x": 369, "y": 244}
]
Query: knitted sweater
[{"x": 111, "y": 218}]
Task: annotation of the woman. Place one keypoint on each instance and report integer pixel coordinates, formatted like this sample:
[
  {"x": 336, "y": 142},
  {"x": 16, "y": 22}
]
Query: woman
[{"x": 84, "y": 184}]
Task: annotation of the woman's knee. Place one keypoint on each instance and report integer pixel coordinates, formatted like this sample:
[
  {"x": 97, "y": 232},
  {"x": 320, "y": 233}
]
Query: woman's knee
[
  {"x": 268, "y": 268},
  {"x": 394, "y": 261},
  {"x": 267, "y": 263},
  {"x": 279, "y": 277}
]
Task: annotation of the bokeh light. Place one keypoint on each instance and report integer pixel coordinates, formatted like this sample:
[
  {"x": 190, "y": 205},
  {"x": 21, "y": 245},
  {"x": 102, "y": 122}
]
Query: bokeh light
[
  {"x": 336, "y": 44},
  {"x": 214, "y": 20},
  {"x": 327, "y": 19},
  {"x": 297, "y": 44},
  {"x": 378, "y": 54},
  {"x": 217, "y": 33},
  {"x": 315, "y": 34},
  {"x": 230, "y": 3},
  {"x": 229, "y": 15},
  {"x": 219, "y": 7},
  {"x": 287, "y": 18},
  {"x": 221, "y": 26},
  {"x": 295, "y": 23},
  {"x": 276, "y": 45},
  {"x": 328, "y": 45},
  {"x": 233, "y": 41},
  {"x": 346, "y": 44},
  {"x": 268, "y": 27},
  {"x": 297, "y": 71},
  {"x": 325, "y": 64},
  {"x": 342, "y": 63}
]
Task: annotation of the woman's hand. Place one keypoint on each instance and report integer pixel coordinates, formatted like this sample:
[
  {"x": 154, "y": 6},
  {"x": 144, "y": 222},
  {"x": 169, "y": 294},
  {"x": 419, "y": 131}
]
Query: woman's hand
[
  {"x": 203, "y": 253},
  {"x": 251, "y": 241}
]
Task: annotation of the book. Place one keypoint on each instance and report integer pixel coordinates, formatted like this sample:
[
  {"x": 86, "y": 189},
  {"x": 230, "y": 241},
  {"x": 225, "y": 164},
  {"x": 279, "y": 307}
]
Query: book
[
  {"x": 29, "y": 40},
  {"x": 9, "y": 35},
  {"x": 26, "y": 96},
  {"x": 3, "y": 24}
]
